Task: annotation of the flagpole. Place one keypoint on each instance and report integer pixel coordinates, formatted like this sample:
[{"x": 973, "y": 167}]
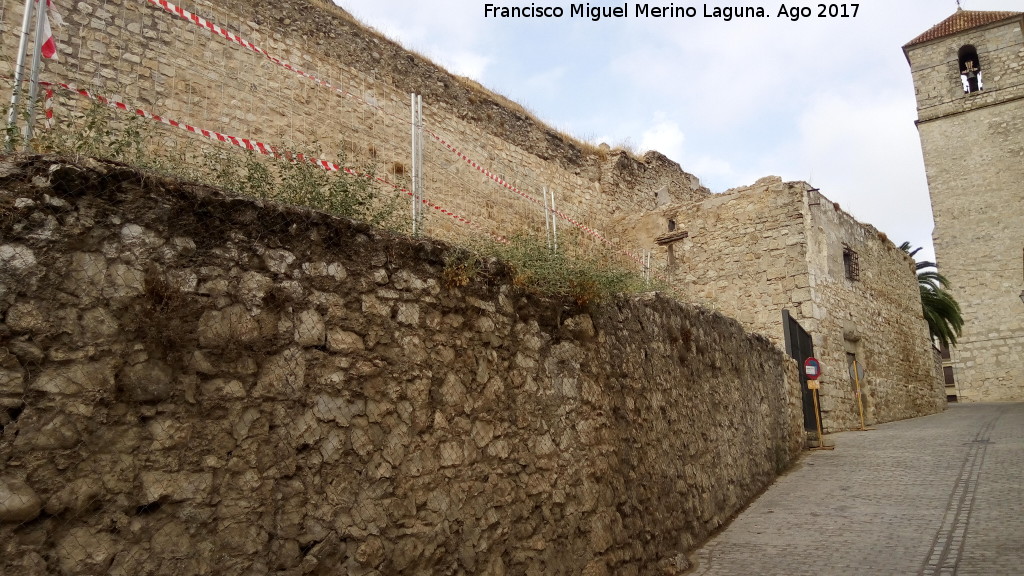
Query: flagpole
[
  {"x": 37, "y": 59},
  {"x": 19, "y": 73}
]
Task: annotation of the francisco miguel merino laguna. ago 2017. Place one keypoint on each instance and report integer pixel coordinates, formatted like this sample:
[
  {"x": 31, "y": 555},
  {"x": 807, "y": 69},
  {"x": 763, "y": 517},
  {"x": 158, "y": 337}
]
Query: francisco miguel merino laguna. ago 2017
[{"x": 726, "y": 13}]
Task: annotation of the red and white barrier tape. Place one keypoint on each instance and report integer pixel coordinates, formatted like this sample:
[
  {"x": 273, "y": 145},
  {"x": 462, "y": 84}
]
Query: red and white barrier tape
[
  {"x": 48, "y": 107},
  {"x": 497, "y": 179},
  {"x": 233, "y": 37},
  {"x": 254, "y": 146}
]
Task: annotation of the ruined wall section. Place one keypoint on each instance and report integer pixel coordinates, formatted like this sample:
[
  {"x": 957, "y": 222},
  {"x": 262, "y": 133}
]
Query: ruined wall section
[
  {"x": 755, "y": 251},
  {"x": 199, "y": 384},
  {"x": 134, "y": 51},
  {"x": 876, "y": 317},
  {"x": 744, "y": 256}
]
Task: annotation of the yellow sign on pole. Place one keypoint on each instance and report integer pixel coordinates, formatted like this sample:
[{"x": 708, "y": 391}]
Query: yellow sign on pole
[{"x": 813, "y": 385}]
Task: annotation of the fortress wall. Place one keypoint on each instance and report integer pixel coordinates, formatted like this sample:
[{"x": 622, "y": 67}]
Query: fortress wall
[{"x": 136, "y": 52}]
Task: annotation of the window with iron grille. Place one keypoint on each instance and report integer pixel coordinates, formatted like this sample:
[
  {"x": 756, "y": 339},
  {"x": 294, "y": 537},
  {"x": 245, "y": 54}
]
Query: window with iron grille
[{"x": 851, "y": 264}]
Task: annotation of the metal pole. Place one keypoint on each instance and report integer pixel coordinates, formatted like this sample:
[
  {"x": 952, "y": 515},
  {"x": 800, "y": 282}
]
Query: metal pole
[
  {"x": 412, "y": 155},
  {"x": 419, "y": 164},
  {"x": 37, "y": 59},
  {"x": 554, "y": 221},
  {"x": 547, "y": 219},
  {"x": 19, "y": 73}
]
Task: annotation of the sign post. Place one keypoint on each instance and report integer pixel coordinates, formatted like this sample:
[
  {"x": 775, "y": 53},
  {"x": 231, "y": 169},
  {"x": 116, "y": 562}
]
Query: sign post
[{"x": 812, "y": 369}]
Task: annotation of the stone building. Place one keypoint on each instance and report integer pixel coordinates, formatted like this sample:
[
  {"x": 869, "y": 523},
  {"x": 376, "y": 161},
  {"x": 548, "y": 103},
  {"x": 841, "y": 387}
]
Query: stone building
[
  {"x": 753, "y": 253},
  {"x": 968, "y": 73}
]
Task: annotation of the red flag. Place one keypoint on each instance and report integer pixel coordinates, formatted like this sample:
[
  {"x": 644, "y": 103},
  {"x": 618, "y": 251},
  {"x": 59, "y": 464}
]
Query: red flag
[{"x": 49, "y": 44}]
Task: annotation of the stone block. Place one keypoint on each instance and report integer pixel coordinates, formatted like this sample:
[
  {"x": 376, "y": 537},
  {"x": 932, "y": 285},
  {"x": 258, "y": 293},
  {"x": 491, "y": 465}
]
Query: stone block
[
  {"x": 16, "y": 260},
  {"x": 151, "y": 381},
  {"x": 282, "y": 376},
  {"x": 343, "y": 341},
  {"x": 175, "y": 486},
  {"x": 86, "y": 551},
  {"x": 76, "y": 378},
  {"x": 222, "y": 328},
  {"x": 26, "y": 317},
  {"x": 19, "y": 503},
  {"x": 124, "y": 281},
  {"x": 310, "y": 329}
]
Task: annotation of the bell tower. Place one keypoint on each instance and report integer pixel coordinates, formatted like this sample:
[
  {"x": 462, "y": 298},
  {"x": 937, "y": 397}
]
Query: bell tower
[{"x": 968, "y": 73}]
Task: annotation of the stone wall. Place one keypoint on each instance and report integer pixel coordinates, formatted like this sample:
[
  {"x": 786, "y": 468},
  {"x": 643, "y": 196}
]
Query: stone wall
[
  {"x": 753, "y": 252},
  {"x": 198, "y": 384},
  {"x": 972, "y": 146},
  {"x": 138, "y": 53},
  {"x": 745, "y": 254},
  {"x": 876, "y": 318}
]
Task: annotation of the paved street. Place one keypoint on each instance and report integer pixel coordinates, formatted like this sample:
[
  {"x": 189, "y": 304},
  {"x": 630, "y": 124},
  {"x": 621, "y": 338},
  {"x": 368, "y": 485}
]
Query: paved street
[{"x": 939, "y": 495}]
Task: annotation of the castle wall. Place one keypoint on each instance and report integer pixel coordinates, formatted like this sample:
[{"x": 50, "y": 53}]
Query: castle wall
[
  {"x": 877, "y": 318},
  {"x": 745, "y": 254},
  {"x": 754, "y": 251},
  {"x": 199, "y": 384},
  {"x": 138, "y": 53},
  {"x": 973, "y": 145}
]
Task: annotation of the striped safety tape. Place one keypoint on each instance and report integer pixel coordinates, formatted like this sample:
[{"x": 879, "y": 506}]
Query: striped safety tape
[
  {"x": 256, "y": 146},
  {"x": 233, "y": 37},
  {"x": 497, "y": 179}
]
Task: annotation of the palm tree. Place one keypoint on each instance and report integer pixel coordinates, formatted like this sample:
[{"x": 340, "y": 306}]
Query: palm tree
[{"x": 940, "y": 308}]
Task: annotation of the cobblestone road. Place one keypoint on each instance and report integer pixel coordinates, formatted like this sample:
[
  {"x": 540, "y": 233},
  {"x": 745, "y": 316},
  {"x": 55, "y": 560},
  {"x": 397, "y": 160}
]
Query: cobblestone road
[{"x": 939, "y": 495}]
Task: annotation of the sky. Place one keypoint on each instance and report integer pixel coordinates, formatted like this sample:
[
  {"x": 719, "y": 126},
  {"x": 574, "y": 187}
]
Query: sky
[{"x": 826, "y": 100}]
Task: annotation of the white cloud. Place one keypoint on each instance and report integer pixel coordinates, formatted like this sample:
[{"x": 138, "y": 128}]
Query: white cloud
[
  {"x": 866, "y": 156},
  {"x": 665, "y": 137}
]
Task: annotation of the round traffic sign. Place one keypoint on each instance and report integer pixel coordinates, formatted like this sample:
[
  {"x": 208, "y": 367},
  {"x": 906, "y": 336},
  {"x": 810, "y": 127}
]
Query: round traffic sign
[{"x": 812, "y": 368}]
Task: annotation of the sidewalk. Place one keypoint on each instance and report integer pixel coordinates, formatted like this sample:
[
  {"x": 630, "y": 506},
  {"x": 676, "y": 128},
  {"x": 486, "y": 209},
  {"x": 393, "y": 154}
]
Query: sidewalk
[{"x": 939, "y": 495}]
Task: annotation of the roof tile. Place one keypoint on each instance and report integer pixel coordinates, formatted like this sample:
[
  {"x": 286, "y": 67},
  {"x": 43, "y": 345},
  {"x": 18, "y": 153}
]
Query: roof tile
[{"x": 961, "y": 20}]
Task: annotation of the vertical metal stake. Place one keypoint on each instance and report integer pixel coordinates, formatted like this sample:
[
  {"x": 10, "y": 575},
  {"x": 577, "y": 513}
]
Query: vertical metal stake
[
  {"x": 412, "y": 157},
  {"x": 416, "y": 153},
  {"x": 37, "y": 59},
  {"x": 554, "y": 220},
  {"x": 19, "y": 74},
  {"x": 419, "y": 164},
  {"x": 547, "y": 219}
]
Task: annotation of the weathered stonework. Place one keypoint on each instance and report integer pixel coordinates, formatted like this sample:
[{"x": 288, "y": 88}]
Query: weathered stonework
[
  {"x": 136, "y": 52},
  {"x": 200, "y": 384},
  {"x": 753, "y": 252},
  {"x": 973, "y": 148}
]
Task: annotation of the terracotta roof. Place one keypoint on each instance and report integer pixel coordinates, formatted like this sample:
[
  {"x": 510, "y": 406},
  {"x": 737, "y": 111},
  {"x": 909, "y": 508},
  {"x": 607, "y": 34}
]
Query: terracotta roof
[{"x": 961, "y": 20}]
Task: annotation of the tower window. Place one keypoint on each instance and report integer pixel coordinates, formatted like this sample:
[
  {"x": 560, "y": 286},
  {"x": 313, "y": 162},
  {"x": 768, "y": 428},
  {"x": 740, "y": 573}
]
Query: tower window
[
  {"x": 851, "y": 264},
  {"x": 671, "y": 225},
  {"x": 970, "y": 69}
]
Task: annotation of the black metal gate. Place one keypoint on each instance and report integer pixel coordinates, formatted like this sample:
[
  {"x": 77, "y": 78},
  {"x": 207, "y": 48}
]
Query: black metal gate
[{"x": 800, "y": 346}]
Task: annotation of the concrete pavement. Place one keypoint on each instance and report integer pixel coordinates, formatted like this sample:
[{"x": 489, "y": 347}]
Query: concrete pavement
[{"x": 940, "y": 495}]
